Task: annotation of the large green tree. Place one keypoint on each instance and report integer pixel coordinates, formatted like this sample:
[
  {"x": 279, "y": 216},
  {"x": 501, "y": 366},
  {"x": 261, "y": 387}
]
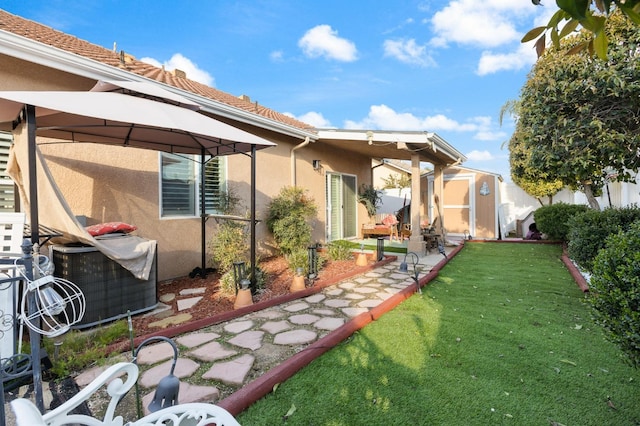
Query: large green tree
[
  {"x": 591, "y": 15},
  {"x": 579, "y": 116}
]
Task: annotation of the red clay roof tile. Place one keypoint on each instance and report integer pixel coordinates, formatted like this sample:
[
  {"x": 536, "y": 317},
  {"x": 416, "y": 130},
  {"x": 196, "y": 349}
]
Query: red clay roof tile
[{"x": 47, "y": 35}]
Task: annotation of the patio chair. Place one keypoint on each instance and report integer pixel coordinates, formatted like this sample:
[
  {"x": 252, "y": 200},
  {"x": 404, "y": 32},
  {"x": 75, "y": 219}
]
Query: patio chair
[{"x": 192, "y": 414}]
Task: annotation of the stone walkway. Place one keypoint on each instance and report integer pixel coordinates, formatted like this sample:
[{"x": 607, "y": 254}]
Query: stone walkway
[{"x": 215, "y": 361}]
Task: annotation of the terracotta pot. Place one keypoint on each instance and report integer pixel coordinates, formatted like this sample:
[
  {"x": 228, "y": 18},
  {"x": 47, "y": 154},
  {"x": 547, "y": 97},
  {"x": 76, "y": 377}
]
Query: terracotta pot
[
  {"x": 243, "y": 298},
  {"x": 297, "y": 284},
  {"x": 362, "y": 259}
]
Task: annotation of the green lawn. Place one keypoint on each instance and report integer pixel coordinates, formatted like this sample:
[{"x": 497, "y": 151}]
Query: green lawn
[{"x": 502, "y": 336}]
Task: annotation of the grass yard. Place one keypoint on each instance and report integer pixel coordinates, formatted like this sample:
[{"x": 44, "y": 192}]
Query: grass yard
[{"x": 502, "y": 336}]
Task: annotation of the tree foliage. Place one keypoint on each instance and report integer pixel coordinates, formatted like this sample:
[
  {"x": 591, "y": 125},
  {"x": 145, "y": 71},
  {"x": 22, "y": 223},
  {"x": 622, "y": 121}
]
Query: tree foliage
[
  {"x": 397, "y": 181},
  {"x": 579, "y": 116},
  {"x": 592, "y": 15}
]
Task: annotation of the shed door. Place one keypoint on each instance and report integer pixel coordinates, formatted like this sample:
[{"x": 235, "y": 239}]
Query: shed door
[
  {"x": 341, "y": 206},
  {"x": 458, "y": 201}
]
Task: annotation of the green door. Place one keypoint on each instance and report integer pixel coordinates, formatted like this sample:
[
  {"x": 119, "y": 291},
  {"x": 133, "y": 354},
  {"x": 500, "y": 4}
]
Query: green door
[{"x": 341, "y": 206}]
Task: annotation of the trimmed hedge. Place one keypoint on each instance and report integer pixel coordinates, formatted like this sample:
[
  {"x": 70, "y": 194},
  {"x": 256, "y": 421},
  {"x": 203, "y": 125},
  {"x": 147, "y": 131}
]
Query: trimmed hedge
[
  {"x": 615, "y": 291},
  {"x": 589, "y": 230},
  {"x": 553, "y": 220}
]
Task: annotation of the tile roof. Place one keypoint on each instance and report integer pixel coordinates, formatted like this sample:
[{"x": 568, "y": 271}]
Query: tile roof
[{"x": 47, "y": 35}]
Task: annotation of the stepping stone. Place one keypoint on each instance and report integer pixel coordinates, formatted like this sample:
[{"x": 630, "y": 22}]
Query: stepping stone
[
  {"x": 167, "y": 298},
  {"x": 384, "y": 296},
  {"x": 329, "y": 323},
  {"x": 231, "y": 372},
  {"x": 152, "y": 354},
  {"x": 160, "y": 308},
  {"x": 297, "y": 307},
  {"x": 398, "y": 276},
  {"x": 267, "y": 314},
  {"x": 337, "y": 303},
  {"x": 187, "y": 393},
  {"x": 386, "y": 281},
  {"x": 316, "y": 298},
  {"x": 325, "y": 312},
  {"x": 184, "y": 304},
  {"x": 365, "y": 290},
  {"x": 212, "y": 352},
  {"x": 334, "y": 292},
  {"x": 238, "y": 327},
  {"x": 184, "y": 368},
  {"x": 347, "y": 286},
  {"x": 274, "y": 327},
  {"x": 369, "y": 303},
  {"x": 363, "y": 280},
  {"x": 303, "y": 319},
  {"x": 196, "y": 339},
  {"x": 295, "y": 337},
  {"x": 373, "y": 274},
  {"x": 354, "y": 312},
  {"x": 354, "y": 296},
  {"x": 192, "y": 291},
  {"x": 172, "y": 320},
  {"x": 248, "y": 340},
  {"x": 87, "y": 376}
]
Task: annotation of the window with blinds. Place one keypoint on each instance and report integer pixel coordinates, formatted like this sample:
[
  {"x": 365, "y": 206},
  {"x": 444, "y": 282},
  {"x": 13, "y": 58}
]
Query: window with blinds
[
  {"x": 7, "y": 191},
  {"x": 180, "y": 182}
]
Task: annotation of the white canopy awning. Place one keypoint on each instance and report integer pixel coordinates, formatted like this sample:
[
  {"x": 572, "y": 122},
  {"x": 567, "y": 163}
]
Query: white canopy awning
[{"x": 120, "y": 119}]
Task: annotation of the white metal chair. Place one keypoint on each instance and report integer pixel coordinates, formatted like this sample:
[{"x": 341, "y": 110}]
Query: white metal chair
[{"x": 192, "y": 414}]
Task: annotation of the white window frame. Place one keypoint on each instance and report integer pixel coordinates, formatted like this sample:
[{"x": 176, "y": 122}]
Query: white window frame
[{"x": 192, "y": 179}]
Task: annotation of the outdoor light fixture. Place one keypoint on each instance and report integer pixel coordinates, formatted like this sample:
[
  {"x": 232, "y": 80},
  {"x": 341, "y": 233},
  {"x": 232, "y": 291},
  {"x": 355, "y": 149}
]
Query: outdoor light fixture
[
  {"x": 312, "y": 251},
  {"x": 316, "y": 164},
  {"x": 168, "y": 387},
  {"x": 243, "y": 286},
  {"x": 51, "y": 305},
  {"x": 404, "y": 267},
  {"x": 380, "y": 249}
]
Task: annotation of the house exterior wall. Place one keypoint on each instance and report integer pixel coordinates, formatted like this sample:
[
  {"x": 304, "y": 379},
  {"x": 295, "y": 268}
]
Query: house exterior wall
[{"x": 112, "y": 183}]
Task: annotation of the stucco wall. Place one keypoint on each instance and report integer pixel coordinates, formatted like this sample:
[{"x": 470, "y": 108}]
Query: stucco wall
[{"x": 106, "y": 183}]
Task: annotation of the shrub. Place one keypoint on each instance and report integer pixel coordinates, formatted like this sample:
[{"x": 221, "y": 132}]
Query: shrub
[
  {"x": 615, "y": 291},
  {"x": 231, "y": 240},
  {"x": 552, "y": 220},
  {"x": 288, "y": 217},
  {"x": 228, "y": 282},
  {"x": 589, "y": 230},
  {"x": 339, "y": 250},
  {"x": 230, "y": 243},
  {"x": 298, "y": 258}
]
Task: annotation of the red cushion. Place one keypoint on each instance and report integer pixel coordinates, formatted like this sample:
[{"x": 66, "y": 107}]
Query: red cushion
[
  {"x": 110, "y": 228},
  {"x": 389, "y": 220}
]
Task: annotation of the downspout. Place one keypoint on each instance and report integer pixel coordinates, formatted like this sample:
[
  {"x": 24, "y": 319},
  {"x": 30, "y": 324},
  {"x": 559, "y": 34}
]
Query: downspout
[{"x": 293, "y": 158}]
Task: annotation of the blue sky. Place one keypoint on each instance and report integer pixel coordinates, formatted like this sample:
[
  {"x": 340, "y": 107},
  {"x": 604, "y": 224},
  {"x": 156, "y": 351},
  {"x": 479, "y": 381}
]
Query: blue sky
[{"x": 439, "y": 66}]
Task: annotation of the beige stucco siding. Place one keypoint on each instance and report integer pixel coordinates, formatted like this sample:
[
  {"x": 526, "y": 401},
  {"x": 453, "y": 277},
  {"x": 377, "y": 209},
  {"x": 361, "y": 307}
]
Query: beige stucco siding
[
  {"x": 16, "y": 74},
  {"x": 109, "y": 183}
]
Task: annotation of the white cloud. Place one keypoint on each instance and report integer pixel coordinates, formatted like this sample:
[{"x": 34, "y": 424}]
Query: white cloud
[
  {"x": 324, "y": 41},
  {"x": 476, "y": 155},
  {"x": 490, "y": 23},
  {"x": 524, "y": 56},
  {"x": 276, "y": 56},
  {"x": 178, "y": 61},
  {"x": 313, "y": 118},
  {"x": 382, "y": 117},
  {"x": 408, "y": 51}
]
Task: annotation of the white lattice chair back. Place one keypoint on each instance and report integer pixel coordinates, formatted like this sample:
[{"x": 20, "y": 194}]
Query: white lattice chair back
[{"x": 193, "y": 414}]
